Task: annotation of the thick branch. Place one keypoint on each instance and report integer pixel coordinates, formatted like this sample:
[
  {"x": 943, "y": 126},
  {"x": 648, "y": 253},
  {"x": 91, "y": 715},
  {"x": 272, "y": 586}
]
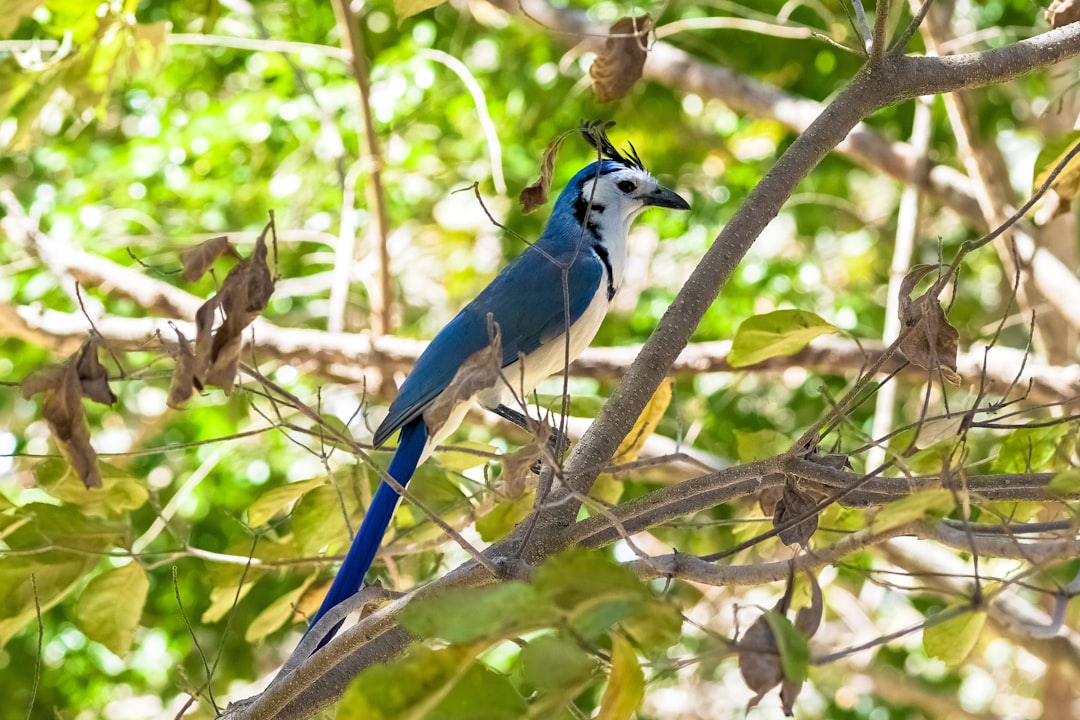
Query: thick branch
[{"x": 896, "y": 78}]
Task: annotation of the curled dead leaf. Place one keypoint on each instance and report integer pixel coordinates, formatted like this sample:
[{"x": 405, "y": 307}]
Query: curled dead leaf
[
  {"x": 64, "y": 414},
  {"x": 759, "y": 660},
  {"x": 808, "y": 619},
  {"x": 770, "y": 497},
  {"x": 930, "y": 341},
  {"x": 197, "y": 260},
  {"x": 619, "y": 64},
  {"x": 64, "y": 387},
  {"x": 93, "y": 378},
  {"x": 182, "y": 384},
  {"x": 796, "y": 502},
  {"x": 536, "y": 195},
  {"x": 789, "y": 693},
  {"x": 244, "y": 294}
]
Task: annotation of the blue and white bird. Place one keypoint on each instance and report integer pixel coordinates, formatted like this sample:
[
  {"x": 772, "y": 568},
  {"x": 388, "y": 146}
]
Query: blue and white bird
[{"x": 578, "y": 261}]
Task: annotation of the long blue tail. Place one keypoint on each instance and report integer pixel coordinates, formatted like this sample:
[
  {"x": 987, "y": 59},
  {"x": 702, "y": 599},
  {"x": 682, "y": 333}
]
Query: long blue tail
[{"x": 376, "y": 520}]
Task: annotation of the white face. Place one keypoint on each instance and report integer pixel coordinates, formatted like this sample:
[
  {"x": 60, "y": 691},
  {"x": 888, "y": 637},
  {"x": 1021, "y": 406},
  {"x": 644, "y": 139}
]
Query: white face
[{"x": 622, "y": 194}]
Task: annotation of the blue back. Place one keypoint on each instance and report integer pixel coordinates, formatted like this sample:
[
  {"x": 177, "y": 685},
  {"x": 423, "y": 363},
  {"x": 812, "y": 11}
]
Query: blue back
[{"x": 525, "y": 299}]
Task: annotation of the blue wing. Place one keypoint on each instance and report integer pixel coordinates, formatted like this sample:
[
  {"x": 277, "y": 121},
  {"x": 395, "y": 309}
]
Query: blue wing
[{"x": 525, "y": 299}]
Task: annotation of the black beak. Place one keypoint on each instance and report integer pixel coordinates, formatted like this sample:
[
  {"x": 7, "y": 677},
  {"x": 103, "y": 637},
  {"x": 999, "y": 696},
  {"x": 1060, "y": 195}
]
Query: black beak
[{"x": 662, "y": 197}]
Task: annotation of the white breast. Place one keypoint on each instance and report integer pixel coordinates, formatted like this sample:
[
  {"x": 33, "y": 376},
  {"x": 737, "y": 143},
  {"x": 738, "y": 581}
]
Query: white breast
[{"x": 550, "y": 357}]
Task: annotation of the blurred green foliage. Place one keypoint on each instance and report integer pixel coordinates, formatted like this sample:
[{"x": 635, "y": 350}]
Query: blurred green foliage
[{"x": 133, "y": 130}]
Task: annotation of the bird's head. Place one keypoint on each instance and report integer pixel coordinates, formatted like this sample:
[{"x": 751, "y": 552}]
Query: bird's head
[{"x": 617, "y": 185}]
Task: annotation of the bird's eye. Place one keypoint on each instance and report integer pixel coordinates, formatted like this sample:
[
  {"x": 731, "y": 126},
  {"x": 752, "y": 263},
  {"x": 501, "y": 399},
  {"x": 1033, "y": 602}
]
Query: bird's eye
[{"x": 626, "y": 186}]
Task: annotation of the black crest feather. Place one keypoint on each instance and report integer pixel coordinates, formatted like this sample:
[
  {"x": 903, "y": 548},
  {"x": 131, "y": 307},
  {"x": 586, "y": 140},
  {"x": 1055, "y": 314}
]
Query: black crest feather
[{"x": 595, "y": 133}]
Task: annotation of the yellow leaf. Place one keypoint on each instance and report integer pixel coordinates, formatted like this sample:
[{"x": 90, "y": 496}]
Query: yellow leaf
[
  {"x": 645, "y": 425},
  {"x": 279, "y": 500},
  {"x": 953, "y": 640},
  {"x": 276, "y": 613},
  {"x": 408, "y": 8},
  {"x": 626, "y": 686},
  {"x": 111, "y": 605}
]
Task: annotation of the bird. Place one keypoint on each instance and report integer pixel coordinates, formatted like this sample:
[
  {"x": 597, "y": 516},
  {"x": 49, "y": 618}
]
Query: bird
[{"x": 571, "y": 273}]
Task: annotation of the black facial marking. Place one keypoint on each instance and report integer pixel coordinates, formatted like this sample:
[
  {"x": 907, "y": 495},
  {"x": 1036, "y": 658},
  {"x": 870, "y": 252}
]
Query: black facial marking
[
  {"x": 583, "y": 213},
  {"x": 602, "y": 253}
]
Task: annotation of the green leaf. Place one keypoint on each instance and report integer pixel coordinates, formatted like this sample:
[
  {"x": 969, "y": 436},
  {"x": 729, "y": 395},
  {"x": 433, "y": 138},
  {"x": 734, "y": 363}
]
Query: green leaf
[
  {"x": 953, "y": 640},
  {"x": 276, "y": 613},
  {"x": 1065, "y": 484},
  {"x": 656, "y": 626},
  {"x": 457, "y": 461},
  {"x": 407, "y": 8},
  {"x": 782, "y": 332},
  {"x": 607, "y": 488},
  {"x": 1031, "y": 449},
  {"x": 595, "y": 617},
  {"x": 760, "y": 444},
  {"x": 483, "y": 613},
  {"x": 1067, "y": 183},
  {"x": 64, "y": 526},
  {"x": 50, "y": 576},
  {"x": 318, "y": 522},
  {"x": 406, "y": 685},
  {"x": 279, "y": 500},
  {"x": 223, "y": 598},
  {"x": 626, "y": 686},
  {"x": 553, "y": 662},
  {"x": 481, "y": 694},
  {"x": 111, "y": 605},
  {"x": 119, "y": 492},
  {"x": 926, "y": 504},
  {"x": 578, "y": 575},
  {"x": 791, "y": 644},
  {"x": 502, "y": 518}
]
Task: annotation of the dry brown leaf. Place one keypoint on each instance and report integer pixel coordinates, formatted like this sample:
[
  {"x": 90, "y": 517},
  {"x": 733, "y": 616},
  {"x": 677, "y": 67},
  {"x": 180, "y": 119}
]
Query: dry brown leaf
[
  {"x": 64, "y": 413},
  {"x": 197, "y": 260},
  {"x": 225, "y": 360},
  {"x": 794, "y": 503},
  {"x": 43, "y": 380},
  {"x": 789, "y": 693},
  {"x": 769, "y": 498},
  {"x": 479, "y": 372},
  {"x": 182, "y": 385},
  {"x": 64, "y": 387},
  {"x": 1063, "y": 12},
  {"x": 618, "y": 65},
  {"x": 932, "y": 343},
  {"x": 536, "y": 195},
  {"x": 204, "y": 339},
  {"x": 759, "y": 659},
  {"x": 807, "y": 621},
  {"x": 244, "y": 294},
  {"x": 92, "y": 374},
  {"x": 518, "y": 466}
]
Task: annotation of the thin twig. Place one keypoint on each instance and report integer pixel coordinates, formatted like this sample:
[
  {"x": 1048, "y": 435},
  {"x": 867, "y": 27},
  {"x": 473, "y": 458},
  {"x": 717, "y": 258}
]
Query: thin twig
[{"x": 379, "y": 228}]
